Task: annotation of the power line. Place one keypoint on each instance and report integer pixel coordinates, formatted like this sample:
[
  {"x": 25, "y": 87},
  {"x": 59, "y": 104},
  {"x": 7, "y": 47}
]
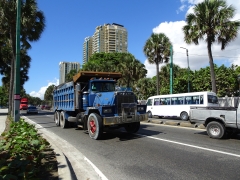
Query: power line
[{"x": 207, "y": 55}]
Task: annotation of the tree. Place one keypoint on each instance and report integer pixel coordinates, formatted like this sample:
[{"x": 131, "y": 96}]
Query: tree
[
  {"x": 210, "y": 20},
  {"x": 69, "y": 76},
  {"x": 179, "y": 76},
  {"x": 32, "y": 26},
  {"x": 226, "y": 80},
  {"x": 157, "y": 50},
  {"x": 3, "y": 96},
  {"x": 48, "y": 95},
  {"x": 132, "y": 69},
  {"x": 144, "y": 88}
]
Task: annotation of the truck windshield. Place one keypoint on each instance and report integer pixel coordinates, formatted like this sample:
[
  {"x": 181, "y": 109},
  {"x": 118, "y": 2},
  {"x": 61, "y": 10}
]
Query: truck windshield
[
  {"x": 212, "y": 99},
  {"x": 103, "y": 86}
]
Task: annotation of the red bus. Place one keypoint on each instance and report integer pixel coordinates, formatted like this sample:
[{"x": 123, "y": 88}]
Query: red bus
[{"x": 23, "y": 103}]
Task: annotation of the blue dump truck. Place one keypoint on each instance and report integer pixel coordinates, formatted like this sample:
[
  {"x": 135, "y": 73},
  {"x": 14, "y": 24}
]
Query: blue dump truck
[{"x": 94, "y": 102}]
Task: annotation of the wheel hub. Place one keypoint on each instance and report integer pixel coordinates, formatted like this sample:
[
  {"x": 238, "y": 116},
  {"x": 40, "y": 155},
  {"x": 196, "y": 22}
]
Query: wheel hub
[
  {"x": 215, "y": 130},
  {"x": 92, "y": 126}
]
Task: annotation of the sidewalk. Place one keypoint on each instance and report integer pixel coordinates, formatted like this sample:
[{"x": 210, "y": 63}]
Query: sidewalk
[{"x": 68, "y": 157}]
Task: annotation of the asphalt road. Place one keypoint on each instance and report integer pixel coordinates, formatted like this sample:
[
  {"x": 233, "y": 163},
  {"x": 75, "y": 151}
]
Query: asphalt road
[{"x": 155, "y": 152}]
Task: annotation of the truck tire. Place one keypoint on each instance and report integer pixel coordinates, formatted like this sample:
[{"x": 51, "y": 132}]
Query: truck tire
[
  {"x": 149, "y": 114},
  {"x": 57, "y": 118},
  {"x": 216, "y": 130},
  {"x": 184, "y": 116},
  {"x": 63, "y": 121},
  {"x": 95, "y": 126},
  {"x": 132, "y": 127}
]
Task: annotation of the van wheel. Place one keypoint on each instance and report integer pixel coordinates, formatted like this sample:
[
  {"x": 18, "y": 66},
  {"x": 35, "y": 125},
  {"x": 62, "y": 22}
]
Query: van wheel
[
  {"x": 95, "y": 126},
  {"x": 184, "y": 116},
  {"x": 149, "y": 114},
  {"x": 57, "y": 118},
  {"x": 216, "y": 130},
  {"x": 63, "y": 121},
  {"x": 132, "y": 127}
]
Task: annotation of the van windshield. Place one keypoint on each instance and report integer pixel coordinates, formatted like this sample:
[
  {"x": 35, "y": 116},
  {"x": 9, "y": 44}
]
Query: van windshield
[{"x": 212, "y": 99}]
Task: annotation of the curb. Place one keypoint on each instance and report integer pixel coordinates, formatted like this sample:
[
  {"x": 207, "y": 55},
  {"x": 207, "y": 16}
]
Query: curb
[
  {"x": 63, "y": 168},
  {"x": 156, "y": 121},
  {"x": 201, "y": 126},
  {"x": 187, "y": 124},
  {"x": 176, "y": 123},
  {"x": 172, "y": 123}
]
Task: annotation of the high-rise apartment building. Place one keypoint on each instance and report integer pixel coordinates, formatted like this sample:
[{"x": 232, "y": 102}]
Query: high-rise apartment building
[
  {"x": 87, "y": 49},
  {"x": 106, "y": 38},
  {"x": 65, "y": 68}
]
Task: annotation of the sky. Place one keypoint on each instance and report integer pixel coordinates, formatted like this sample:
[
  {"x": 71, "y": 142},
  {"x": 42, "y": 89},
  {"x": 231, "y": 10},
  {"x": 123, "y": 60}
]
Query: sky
[{"x": 68, "y": 22}]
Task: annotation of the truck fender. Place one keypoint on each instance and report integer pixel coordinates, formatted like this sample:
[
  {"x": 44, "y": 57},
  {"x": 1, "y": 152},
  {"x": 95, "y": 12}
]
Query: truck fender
[{"x": 210, "y": 119}]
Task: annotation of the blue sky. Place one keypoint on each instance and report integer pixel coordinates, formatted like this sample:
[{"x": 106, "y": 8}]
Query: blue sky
[{"x": 68, "y": 22}]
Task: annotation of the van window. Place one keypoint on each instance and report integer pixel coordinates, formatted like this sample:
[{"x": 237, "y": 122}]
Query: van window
[
  {"x": 149, "y": 102},
  {"x": 156, "y": 101}
]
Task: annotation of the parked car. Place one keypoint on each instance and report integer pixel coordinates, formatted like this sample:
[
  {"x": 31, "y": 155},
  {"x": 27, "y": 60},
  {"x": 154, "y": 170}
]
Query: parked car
[
  {"x": 32, "y": 110},
  {"x": 42, "y": 107},
  {"x": 47, "y": 107}
]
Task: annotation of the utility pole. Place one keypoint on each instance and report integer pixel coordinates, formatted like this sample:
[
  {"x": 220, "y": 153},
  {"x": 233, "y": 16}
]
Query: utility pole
[
  {"x": 171, "y": 71},
  {"x": 17, "y": 65},
  {"x": 188, "y": 68}
]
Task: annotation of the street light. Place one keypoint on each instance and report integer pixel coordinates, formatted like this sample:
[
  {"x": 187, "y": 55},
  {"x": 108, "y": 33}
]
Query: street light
[{"x": 188, "y": 68}]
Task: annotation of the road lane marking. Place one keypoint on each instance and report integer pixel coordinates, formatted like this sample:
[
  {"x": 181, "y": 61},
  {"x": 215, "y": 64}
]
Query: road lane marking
[{"x": 193, "y": 146}]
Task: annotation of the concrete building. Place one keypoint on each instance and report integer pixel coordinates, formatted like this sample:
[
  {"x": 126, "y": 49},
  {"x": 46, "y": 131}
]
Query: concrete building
[
  {"x": 87, "y": 49},
  {"x": 65, "y": 68},
  {"x": 106, "y": 38}
]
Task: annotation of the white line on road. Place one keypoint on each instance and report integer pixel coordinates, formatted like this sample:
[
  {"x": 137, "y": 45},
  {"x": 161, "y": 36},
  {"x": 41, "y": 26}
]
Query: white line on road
[{"x": 193, "y": 146}]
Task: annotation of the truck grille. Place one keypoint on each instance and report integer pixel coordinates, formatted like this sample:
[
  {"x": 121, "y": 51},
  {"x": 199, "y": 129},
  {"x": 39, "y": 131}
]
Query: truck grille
[{"x": 124, "y": 98}]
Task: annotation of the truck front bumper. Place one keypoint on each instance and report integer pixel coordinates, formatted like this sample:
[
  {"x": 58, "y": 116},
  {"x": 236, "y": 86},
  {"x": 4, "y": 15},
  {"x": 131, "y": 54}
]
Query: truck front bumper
[{"x": 124, "y": 119}]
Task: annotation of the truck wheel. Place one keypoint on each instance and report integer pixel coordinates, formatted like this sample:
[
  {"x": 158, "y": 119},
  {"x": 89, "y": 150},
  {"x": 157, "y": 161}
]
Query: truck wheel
[
  {"x": 63, "y": 121},
  {"x": 95, "y": 126},
  {"x": 184, "y": 116},
  {"x": 56, "y": 118},
  {"x": 149, "y": 114},
  {"x": 216, "y": 130},
  {"x": 132, "y": 127}
]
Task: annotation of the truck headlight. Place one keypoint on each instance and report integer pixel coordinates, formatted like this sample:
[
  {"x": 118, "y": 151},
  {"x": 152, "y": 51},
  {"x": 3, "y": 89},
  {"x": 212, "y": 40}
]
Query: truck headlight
[
  {"x": 140, "y": 108},
  {"x": 107, "y": 111}
]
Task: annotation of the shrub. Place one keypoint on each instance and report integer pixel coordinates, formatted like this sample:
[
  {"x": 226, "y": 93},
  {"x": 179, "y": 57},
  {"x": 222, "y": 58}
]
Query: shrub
[{"x": 21, "y": 152}]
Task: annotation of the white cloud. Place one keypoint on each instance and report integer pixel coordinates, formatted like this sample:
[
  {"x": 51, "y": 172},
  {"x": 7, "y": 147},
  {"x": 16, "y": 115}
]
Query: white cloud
[
  {"x": 181, "y": 8},
  {"x": 42, "y": 90},
  {"x": 198, "y": 55}
]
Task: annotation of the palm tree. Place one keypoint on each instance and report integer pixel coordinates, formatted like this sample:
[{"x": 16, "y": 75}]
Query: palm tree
[
  {"x": 32, "y": 26},
  {"x": 131, "y": 69},
  {"x": 210, "y": 21},
  {"x": 157, "y": 50}
]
